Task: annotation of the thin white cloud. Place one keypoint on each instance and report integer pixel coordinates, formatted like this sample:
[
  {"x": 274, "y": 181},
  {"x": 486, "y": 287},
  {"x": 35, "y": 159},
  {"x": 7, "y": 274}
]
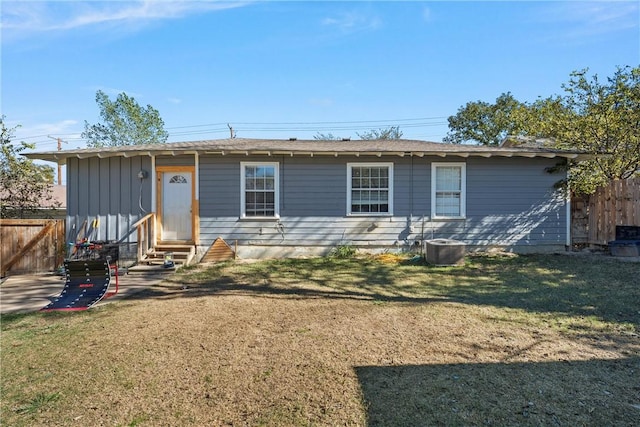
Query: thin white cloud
[
  {"x": 43, "y": 132},
  {"x": 25, "y": 17},
  {"x": 53, "y": 128},
  {"x": 426, "y": 14},
  {"x": 586, "y": 19},
  {"x": 175, "y": 100},
  {"x": 351, "y": 22}
]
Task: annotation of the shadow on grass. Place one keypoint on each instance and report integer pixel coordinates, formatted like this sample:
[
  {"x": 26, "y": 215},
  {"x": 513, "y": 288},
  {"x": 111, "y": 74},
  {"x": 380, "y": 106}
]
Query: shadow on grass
[
  {"x": 292, "y": 278},
  {"x": 594, "y": 392},
  {"x": 607, "y": 290}
]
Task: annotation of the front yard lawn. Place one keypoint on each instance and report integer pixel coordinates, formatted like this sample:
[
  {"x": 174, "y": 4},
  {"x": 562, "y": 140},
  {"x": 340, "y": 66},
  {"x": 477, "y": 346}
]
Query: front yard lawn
[{"x": 502, "y": 340}]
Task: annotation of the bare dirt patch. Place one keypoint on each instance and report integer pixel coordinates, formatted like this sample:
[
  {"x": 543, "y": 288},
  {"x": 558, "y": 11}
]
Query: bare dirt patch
[{"x": 340, "y": 342}]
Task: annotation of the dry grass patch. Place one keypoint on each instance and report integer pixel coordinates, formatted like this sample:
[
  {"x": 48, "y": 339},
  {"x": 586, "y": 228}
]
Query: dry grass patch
[{"x": 533, "y": 340}]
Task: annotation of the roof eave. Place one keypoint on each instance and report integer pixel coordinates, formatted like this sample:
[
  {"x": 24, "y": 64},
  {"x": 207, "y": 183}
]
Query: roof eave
[{"x": 61, "y": 157}]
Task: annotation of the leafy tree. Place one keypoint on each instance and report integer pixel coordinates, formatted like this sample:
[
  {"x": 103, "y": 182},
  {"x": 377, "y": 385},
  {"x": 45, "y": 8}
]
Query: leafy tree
[
  {"x": 392, "y": 132},
  {"x": 326, "y": 137},
  {"x": 596, "y": 117},
  {"x": 125, "y": 123},
  {"x": 592, "y": 116},
  {"x": 483, "y": 122},
  {"x": 25, "y": 187}
]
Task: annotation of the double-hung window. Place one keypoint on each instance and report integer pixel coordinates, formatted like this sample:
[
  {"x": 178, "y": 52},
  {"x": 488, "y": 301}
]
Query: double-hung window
[
  {"x": 448, "y": 190},
  {"x": 370, "y": 188},
  {"x": 260, "y": 190}
]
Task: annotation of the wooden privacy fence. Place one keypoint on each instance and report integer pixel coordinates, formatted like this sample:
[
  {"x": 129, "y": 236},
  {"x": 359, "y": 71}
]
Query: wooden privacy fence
[
  {"x": 594, "y": 218},
  {"x": 31, "y": 245}
]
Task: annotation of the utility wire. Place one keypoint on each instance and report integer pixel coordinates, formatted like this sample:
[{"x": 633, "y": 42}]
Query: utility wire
[
  {"x": 264, "y": 127},
  {"x": 383, "y": 122}
]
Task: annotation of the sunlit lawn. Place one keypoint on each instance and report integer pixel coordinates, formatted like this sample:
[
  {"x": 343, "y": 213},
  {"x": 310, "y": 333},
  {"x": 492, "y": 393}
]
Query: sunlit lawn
[{"x": 502, "y": 340}]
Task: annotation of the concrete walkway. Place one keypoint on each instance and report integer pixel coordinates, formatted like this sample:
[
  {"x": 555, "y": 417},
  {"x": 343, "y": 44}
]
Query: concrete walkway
[{"x": 27, "y": 293}]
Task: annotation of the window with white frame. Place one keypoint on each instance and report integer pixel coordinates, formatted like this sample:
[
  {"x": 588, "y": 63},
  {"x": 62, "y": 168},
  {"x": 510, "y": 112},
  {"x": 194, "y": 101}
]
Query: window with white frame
[
  {"x": 370, "y": 188},
  {"x": 260, "y": 190},
  {"x": 448, "y": 190}
]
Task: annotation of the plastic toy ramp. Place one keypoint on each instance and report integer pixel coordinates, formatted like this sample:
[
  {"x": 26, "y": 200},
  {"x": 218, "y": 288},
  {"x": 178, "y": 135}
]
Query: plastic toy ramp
[{"x": 87, "y": 283}]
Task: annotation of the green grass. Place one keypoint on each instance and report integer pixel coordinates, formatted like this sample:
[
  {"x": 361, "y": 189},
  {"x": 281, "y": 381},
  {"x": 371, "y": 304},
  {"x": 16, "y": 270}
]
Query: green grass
[
  {"x": 502, "y": 340},
  {"x": 560, "y": 290},
  {"x": 38, "y": 402}
]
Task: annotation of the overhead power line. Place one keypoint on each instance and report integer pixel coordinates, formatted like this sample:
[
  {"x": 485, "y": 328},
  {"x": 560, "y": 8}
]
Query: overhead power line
[
  {"x": 383, "y": 122},
  {"x": 268, "y": 127},
  {"x": 46, "y": 135},
  {"x": 320, "y": 126}
]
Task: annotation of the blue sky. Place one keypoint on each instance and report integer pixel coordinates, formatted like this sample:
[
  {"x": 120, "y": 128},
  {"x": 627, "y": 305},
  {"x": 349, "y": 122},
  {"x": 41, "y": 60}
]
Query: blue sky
[{"x": 280, "y": 69}]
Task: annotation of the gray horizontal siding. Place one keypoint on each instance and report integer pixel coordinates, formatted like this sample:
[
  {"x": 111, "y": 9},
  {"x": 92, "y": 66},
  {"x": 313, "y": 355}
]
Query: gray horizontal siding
[
  {"x": 508, "y": 186},
  {"x": 219, "y": 187},
  {"x": 509, "y": 202},
  {"x": 305, "y": 230},
  {"x": 513, "y": 202},
  {"x": 499, "y": 230},
  {"x": 310, "y": 186},
  {"x": 313, "y": 186}
]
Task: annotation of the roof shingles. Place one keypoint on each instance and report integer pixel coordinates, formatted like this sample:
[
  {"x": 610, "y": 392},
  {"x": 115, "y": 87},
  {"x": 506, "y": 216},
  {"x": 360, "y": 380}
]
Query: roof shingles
[{"x": 275, "y": 146}]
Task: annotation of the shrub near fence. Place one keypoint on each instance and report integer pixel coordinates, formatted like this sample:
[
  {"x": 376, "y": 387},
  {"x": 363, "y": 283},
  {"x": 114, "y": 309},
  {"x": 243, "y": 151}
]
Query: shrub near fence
[
  {"x": 595, "y": 217},
  {"x": 31, "y": 245}
]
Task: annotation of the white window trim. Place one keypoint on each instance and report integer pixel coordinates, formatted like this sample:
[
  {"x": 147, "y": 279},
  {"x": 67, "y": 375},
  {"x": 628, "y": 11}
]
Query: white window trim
[
  {"x": 463, "y": 189},
  {"x": 389, "y": 165},
  {"x": 276, "y": 167}
]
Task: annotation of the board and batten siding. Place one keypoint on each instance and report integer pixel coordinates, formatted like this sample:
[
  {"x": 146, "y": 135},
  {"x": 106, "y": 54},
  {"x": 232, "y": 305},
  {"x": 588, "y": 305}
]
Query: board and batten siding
[
  {"x": 510, "y": 202},
  {"x": 109, "y": 190}
]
